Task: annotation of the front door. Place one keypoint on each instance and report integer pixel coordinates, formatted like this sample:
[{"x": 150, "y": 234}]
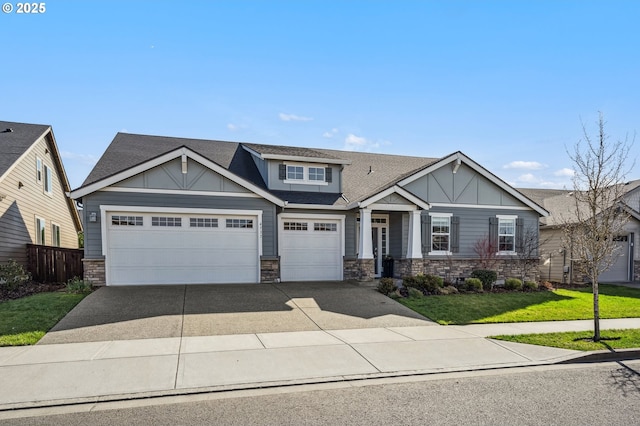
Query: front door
[{"x": 380, "y": 242}]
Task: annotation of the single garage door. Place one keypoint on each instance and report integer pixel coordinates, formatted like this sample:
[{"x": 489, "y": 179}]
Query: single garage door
[
  {"x": 310, "y": 250},
  {"x": 619, "y": 271},
  {"x": 158, "y": 248}
]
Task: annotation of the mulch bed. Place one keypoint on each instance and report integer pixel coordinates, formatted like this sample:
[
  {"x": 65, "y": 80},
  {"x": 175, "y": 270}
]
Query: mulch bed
[{"x": 27, "y": 290}]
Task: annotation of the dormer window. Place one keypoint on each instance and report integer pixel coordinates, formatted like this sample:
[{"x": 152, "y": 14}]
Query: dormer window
[
  {"x": 305, "y": 174},
  {"x": 295, "y": 173}
]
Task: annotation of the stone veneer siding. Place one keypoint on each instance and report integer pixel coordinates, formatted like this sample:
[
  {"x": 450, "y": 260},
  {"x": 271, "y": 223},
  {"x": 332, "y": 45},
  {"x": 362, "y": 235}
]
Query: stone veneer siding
[
  {"x": 269, "y": 269},
  {"x": 452, "y": 269},
  {"x": 94, "y": 272},
  {"x": 358, "y": 269}
]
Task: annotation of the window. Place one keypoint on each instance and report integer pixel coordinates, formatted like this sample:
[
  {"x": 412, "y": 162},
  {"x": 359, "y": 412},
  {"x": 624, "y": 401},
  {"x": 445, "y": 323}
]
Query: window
[
  {"x": 203, "y": 222},
  {"x": 166, "y": 221},
  {"x": 295, "y": 173},
  {"x": 506, "y": 234},
  {"x": 40, "y": 225},
  {"x": 330, "y": 227},
  {"x": 440, "y": 233},
  {"x": 316, "y": 173},
  {"x": 55, "y": 235},
  {"x": 126, "y": 220},
  {"x": 47, "y": 180},
  {"x": 295, "y": 226},
  {"x": 239, "y": 223},
  {"x": 38, "y": 169}
]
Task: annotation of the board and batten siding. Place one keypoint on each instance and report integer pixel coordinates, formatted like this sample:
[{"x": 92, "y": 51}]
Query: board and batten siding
[
  {"x": 92, "y": 203},
  {"x": 22, "y": 204},
  {"x": 466, "y": 186}
]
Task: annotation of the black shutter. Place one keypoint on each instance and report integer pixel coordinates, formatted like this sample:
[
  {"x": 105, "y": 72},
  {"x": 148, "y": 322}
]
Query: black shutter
[
  {"x": 328, "y": 174},
  {"x": 426, "y": 232},
  {"x": 455, "y": 234},
  {"x": 493, "y": 233},
  {"x": 282, "y": 171},
  {"x": 519, "y": 235}
]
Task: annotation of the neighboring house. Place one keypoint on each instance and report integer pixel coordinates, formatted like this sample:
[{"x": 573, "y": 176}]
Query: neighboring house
[
  {"x": 164, "y": 210},
  {"x": 557, "y": 263},
  {"x": 34, "y": 207}
]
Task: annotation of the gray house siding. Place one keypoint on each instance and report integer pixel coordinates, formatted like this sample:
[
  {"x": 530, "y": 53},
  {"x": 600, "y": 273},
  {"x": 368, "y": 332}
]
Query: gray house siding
[
  {"x": 474, "y": 226},
  {"x": 26, "y": 199},
  {"x": 170, "y": 176},
  {"x": 92, "y": 203},
  {"x": 276, "y": 184},
  {"x": 463, "y": 187},
  {"x": 263, "y": 168}
]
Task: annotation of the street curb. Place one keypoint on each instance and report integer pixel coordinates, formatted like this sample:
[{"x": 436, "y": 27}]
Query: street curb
[{"x": 603, "y": 356}]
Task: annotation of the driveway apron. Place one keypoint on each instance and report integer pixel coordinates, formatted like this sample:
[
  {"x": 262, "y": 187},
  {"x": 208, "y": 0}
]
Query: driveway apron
[{"x": 143, "y": 312}]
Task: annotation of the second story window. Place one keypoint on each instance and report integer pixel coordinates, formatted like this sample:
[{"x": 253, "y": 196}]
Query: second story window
[
  {"x": 316, "y": 174},
  {"x": 47, "y": 180},
  {"x": 38, "y": 169},
  {"x": 295, "y": 173}
]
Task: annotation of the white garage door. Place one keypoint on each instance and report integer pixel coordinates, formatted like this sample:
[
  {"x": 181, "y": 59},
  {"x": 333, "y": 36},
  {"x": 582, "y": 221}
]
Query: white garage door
[
  {"x": 310, "y": 249},
  {"x": 619, "y": 271},
  {"x": 159, "y": 248}
]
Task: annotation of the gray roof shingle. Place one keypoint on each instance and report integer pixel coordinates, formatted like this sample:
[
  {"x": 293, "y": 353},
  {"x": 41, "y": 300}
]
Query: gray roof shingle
[
  {"x": 366, "y": 175},
  {"x": 16, "y": 142}
]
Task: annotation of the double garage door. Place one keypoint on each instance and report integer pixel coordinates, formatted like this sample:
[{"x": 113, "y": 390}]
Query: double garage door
[{"x": 158, "y": 248}]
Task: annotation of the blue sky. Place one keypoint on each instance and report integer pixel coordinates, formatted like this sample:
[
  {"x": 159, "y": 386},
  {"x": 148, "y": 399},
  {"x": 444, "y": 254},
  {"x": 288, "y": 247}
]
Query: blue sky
[{"x": 506, "y": 82}]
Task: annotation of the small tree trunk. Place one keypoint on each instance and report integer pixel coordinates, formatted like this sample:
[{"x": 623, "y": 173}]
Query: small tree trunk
[{"x": 596, "y": 312}]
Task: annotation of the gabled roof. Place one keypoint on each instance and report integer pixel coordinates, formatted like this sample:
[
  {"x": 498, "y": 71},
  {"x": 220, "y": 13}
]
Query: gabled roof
[
  {"x": 364, "y": 175},
  {"x": 561, "y": 203},
  {"x": 17, "y": 139}
]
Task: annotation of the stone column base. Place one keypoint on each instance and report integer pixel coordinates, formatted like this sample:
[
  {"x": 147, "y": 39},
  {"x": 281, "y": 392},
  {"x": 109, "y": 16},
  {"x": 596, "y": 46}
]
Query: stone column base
[
  {"x": 408, "y": 267},
  {"x": 359, "y": 269},
  {"x": 94, "y": 272},
  {"x": 269, "y": 269}
]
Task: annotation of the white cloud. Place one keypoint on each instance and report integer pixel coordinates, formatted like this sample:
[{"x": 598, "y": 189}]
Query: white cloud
[
  {"x": 528, "y": 177},
  {"x": 524, "y": 165},
  {"x": 565, "y": 172},
  {"x": 330, "y": 133},
  {"x": 232, "y": 127},
  {"x": 88, "y": 159},
  {"x": 358, "y": 143},
  {"x": 293, "y": 117}
]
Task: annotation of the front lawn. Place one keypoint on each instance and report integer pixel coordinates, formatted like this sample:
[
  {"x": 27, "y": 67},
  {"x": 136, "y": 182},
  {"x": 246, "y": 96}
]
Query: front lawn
[
  {"x": 24, "y": 321},
  {"x": 581, "y": 340},
  {"x": 557, "y": 305}
]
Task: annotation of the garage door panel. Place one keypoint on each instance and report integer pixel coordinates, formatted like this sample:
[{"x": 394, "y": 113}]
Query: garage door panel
[
  {"x": 307, "y": 254},
  {"x": 145, "y": 254}
]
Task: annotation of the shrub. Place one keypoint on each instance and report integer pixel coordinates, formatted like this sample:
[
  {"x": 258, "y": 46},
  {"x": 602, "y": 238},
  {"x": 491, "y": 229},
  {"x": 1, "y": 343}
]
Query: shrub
[
  {"x": 473, "y": 284},
  {"x": 530, "y": 286},
  {"x": 425, "y": 283},
  {"x": 547, "y": 286},
  {"x": 512, "y": 284},
  {"x": 77, "y": 285},
  {"x": 414, "y": 293},
  {"x": 486, "y": 276},
  {"x": 387, "y": 286},
  {"x": 13, "y": 275},
  {"x": 449, "y": 290}
]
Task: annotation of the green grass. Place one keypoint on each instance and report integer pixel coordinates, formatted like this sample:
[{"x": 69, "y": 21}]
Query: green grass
[
  {"x": 558, "y": 305},
  {"x": 24, "y": 321},
  {"x": 579, "y": 340}
]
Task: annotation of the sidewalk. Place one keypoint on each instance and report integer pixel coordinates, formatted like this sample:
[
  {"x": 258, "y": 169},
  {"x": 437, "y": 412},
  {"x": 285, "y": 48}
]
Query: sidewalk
[{"x": 48, "y": 375}]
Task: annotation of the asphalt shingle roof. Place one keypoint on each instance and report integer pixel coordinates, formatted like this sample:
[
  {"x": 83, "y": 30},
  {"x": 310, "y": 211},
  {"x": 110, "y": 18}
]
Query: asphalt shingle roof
[
  {"x": 15, "y": 143},
  {"x": 366, "y": 175}
]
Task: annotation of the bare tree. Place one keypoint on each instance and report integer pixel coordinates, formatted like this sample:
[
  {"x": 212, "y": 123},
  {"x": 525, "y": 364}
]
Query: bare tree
[
  {"x": 596, "y": 216},
  {"x": 526, "y": 258},
  {"x": 487, "y": 251}
]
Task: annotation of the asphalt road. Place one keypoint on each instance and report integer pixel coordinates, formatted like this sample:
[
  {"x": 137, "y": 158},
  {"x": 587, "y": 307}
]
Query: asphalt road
[{"x": 587, "y": 394}]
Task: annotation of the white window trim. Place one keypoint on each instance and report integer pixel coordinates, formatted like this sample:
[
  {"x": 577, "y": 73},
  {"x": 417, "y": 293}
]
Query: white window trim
[
  {"x": 305, "y": 174},
  {"x": 47, "y": 177},
  {"x": 507, "y": 252},
  {"x": 439, "y": 252},
  {"x": 39, "y": 169},
  {"x": 44, "y": 229},
  {"x": 53, "y": 235}
]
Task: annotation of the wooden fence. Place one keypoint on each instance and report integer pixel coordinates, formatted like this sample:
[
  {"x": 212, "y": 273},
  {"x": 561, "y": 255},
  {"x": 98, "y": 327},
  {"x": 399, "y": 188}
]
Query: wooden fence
[{"x": 54, "y": 264}]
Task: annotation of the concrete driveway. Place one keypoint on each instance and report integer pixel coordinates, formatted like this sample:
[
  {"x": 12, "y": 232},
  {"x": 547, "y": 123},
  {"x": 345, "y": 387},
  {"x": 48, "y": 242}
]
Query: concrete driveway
[{"x": 143, "y": 312}]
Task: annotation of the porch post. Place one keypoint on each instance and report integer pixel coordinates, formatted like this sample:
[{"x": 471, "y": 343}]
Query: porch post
[
  {"x": 414, "y": 249},
  {"x": 365, "y": 247}
]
